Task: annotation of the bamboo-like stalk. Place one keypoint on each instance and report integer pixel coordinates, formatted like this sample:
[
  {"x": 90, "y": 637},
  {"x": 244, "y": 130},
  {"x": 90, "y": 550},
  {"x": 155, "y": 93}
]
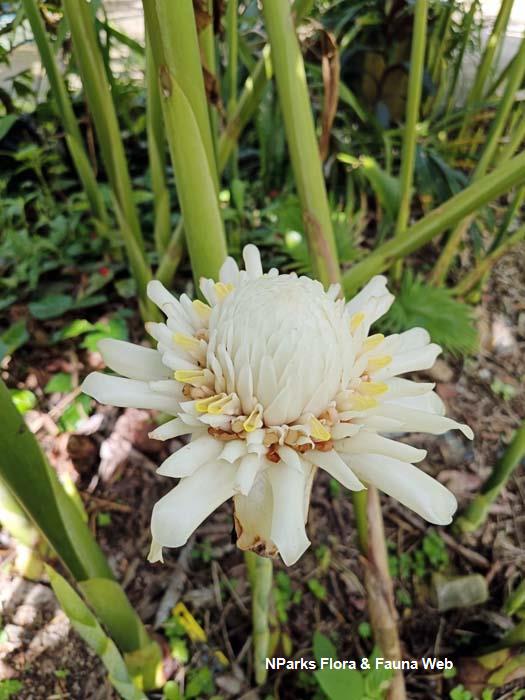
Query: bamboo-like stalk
[
  {"x": 208, "y": 51},
  {"x": 477, "y": 90},
  {"x": 444, "y": 261},
  {"x": 260, "y": 575},
  {"x": 408, "y": 154},
  {"x": 102, "y": 109},
  {"x": 476, "y": 195},
  {"x": 185, "y": 113},
  {"x": 232, "y": 35},
  {"x": 302, "y": 143},
  {"x": 471, "y": 279},
  {"x": 156, "y": 152},
  {"x": 466, "y": 30},
  {"x": 66, "y": 113},
  {"x": 476, "y": 513}
]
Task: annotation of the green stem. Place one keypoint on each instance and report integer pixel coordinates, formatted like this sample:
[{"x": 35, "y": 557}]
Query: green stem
[
  {"x": 483, "y": 266},
  {"x": 102, "y": 109},
  {"x": 493, "y": 141},
  {"x": 260, "y": 575},
  {"x": 477, "y": 91},
  {"x": 466, "y": 29},
  {"x": 476, "y": 513},
  {"x": 208, "y": 51},
  {"x": 185, "y": 113},
  {"x": 232, "y": 42},
  {"x": 66, "y": 113},
  {"x": 476, "y": 195},
  {"x": 157, "y": 159},
  {"x": 302, "y": 143},
  {"x": 408, "y": 154}
]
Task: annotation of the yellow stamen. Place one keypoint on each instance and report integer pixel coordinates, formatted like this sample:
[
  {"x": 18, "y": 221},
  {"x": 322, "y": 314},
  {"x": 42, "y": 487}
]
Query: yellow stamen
[
  {"x": 356, "y": 320},
  {"x": 253, "y": 421},
  {"x": 372, "y": 342},
  {"x": 318, "y": 431},
  {"x": 222, "y": 290},
  {"x": 375, "y": 363},
  {"x": 203, "y": 406},
  {"x": 202, "y": 310},
  {"x": 217, "y": 407},
  {"x": 372, "y": 388},
  {"x": 187, "y": 342},
  {"x": 362, "y": 403},
  {"x": 195, "y": 377}
]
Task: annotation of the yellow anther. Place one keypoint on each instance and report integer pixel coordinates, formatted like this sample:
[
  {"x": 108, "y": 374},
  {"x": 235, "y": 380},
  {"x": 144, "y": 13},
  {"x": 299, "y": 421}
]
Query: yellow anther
[
  {"x": 202, "y": 310},
  {"x": 195, "y": 377},
  {"x": 203, "y": 405},
  {"x": 218, "y": 406},
  {"x": 375, "y": 363},
  {"x": 253, "y": 421},
  {"x": 222, "y": 290},
  {"x": 318, "y": 431},
  {"x": 187, "y": 342},
  {"x": 372, "y": 388},
  {"x": 356, "y": 320},
  {"x": 372, "y": 342},
  {"x": 362, "y": 403}
]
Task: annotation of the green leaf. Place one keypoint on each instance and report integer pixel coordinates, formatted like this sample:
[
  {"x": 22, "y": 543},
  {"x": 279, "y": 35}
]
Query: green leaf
[
  {"x": 200, "y": 682},
  {"x": 340, "y": 684},
  {"x": 9, "y": 688},
  {"x": 87, "y": 626},
  {"x": 114, "y": 328},
  {"x": 323, "y": 647},
  {"x": 448, "y": 321},
  {"x": 23, "y": 399},
  {"x": 77, "y": 411},
  {"x": 77, "y": 327},
  {"x": 60, "y": 383},
  {"x": 6, "y": 122},
  {"x": 51, "y": 306},
  {"x": 13, "y": 338}
]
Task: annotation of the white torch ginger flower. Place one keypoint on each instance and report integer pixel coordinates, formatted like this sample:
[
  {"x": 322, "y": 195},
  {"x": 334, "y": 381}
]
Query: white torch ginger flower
[{"x": 273, "y": 378}]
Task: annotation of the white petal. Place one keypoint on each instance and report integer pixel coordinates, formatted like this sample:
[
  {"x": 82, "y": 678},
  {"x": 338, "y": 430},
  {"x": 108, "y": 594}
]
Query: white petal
[
  {"x": 126, "y": 393},
  {"x": 411, "y": 361},
  {"x": 288, "y": 532},
  {"x": 189, "y": 458},
  {"x": 398, "y": 387},
  {"x": 155, "y": 552},
  {"x": 429, "y": 403},
  {"x": 131, "y": 360},
  {"x": 183, "y": 509},
  {"x": 171, "y": 429},
  {"x": 253, "y": 517},
  {"x": 409, "y": 485},
  {"x": 290, "y": 458},
  {"x": 416, "y": 421},
  {"x": 345, "y": 430},
  {"x": 247, "y": 473},
  {"x": 371, "y": 443},
  {"x": 233, "y": 450},
  {"x": 332, "y": 463},
  {"x": 229, "y": 272},
  {"x": 252, "y": 261}
]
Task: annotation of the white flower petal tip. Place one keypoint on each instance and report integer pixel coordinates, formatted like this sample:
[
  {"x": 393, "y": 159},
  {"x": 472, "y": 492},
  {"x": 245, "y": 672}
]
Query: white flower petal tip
[
  {"x": 155, "y": 553},
  {"x": 271, "y": 379}
]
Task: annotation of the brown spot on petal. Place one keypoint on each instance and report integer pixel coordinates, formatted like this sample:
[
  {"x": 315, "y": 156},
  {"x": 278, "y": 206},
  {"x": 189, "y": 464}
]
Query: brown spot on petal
[{"x": 222, "y": 434}]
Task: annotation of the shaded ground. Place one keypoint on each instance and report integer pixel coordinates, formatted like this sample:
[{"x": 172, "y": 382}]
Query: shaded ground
[{"x": 113, "y": 463}]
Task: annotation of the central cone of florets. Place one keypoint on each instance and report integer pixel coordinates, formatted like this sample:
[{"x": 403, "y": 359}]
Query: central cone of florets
[{"x": 285, "y": 341}]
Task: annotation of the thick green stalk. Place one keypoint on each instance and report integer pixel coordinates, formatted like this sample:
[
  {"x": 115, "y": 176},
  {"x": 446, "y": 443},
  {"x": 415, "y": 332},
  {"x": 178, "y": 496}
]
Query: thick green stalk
[
  {"x": 475, "y": 196},
  {"x": 188, "y": 133},
  {"x": 156, "y": 152},
  {"x": 180, "y": 44},
  {"x": 516, "y": 138},
  {"x": 172, "y": 256},
  {"x": 260, "y": 574},
  {"x": 476, "y": 513},
  {"x": 493, "y": 141},
  {"x": 408, "y": 154},
  {"x": 66, "y": 113},
  {"x": 302, "y": 143},
  {"x": 102, "y": 109},
  {"x": 467, "y": 283},
  {"x": 30, "y": 479},
  {"x": 233, "y": 51},
  {"x": 208, "y": 53},
  {"x": 477, "y": 91}
]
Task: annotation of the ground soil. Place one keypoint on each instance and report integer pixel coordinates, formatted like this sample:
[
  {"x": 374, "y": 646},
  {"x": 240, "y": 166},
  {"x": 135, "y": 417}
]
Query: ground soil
[{"x": 113, "y": 464}]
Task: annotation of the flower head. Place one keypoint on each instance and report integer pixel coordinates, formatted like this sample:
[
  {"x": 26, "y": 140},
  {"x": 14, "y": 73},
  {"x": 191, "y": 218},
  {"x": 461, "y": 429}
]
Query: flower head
[{"x": 273, "y": 378}]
